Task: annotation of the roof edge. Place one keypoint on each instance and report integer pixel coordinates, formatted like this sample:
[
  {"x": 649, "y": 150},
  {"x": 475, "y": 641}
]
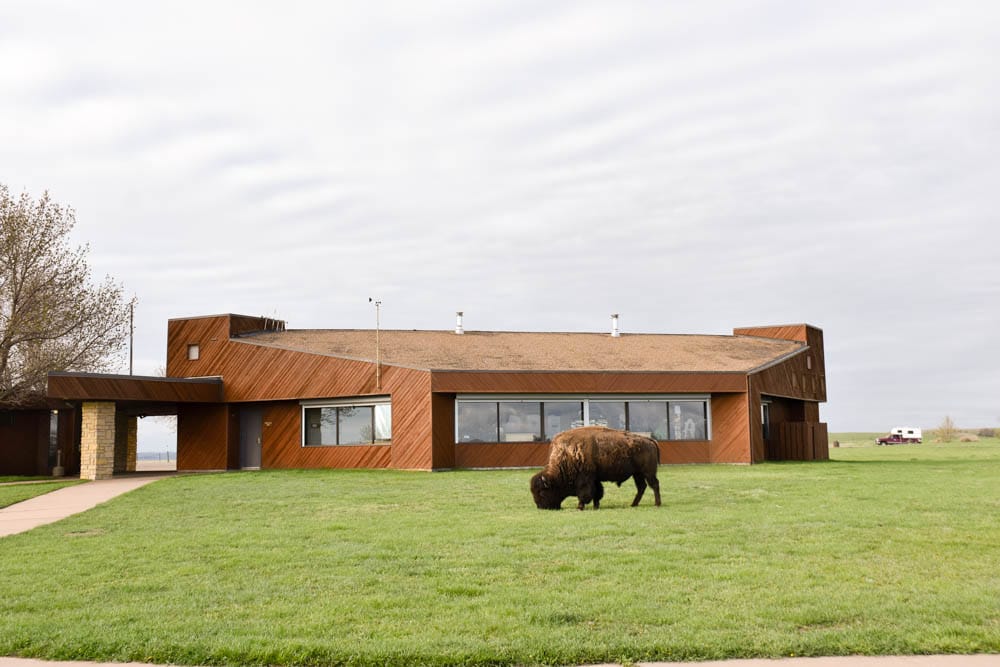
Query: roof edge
[
  {"x": 211, "y": 379},
  {"x": 774, "y": 362}
]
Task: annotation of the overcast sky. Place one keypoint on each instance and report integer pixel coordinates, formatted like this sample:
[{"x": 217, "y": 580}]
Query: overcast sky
[{"x": 693, "y": 166}]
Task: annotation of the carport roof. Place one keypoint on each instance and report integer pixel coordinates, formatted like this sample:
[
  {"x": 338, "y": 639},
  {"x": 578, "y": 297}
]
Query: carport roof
[{"x": 133, "y": 388}]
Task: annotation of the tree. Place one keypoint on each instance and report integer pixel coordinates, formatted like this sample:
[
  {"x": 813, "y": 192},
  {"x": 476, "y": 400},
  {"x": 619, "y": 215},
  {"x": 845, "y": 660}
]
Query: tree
[
  {"x": 52, "y": 318},
  {"x": 946, "y": 432}
]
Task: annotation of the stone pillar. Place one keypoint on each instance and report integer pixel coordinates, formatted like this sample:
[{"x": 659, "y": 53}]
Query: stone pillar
[
  {"x": 132, "y": 442},
  {"x": 97, "y": 440}
]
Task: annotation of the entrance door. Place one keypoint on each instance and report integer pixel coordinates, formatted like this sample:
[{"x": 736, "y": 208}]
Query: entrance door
[{"x": 250, "y": 437}]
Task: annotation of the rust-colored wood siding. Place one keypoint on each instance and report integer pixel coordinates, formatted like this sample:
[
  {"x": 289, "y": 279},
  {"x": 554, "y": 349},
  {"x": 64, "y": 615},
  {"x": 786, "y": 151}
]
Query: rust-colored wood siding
[
  {"x": 501, "y": 454},
  {"x": 443, "y": 427},
  {"x": 260, "y": 374},
  {"x": 412, "y": 415},
  {"x": 85, "y": 386},
  {"x": 24, "y": 442},
  {"x": 730, "y": 430},
  {"x": 203, "y": 437},
  {"x": 802, "y": 375},
  {"x": 796, "y": 386},
  {"x": 69, "y": 439},
  {"x": 801, "y": 441},
  {"x": 281, "y": 444},
  {"x": 585, "y": 382}
]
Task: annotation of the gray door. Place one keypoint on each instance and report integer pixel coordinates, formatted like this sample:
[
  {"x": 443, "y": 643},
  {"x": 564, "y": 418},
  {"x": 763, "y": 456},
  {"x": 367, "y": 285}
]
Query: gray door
[{"x": 250, "y": 435}]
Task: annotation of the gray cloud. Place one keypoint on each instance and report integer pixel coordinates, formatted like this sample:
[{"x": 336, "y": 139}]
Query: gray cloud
[{"x": 539, "y": 167}]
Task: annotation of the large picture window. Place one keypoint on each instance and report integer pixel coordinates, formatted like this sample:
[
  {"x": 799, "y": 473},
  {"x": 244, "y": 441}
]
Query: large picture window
[
  {"x": 479, "y": 419},
  {"x": 346, "y": 424}
]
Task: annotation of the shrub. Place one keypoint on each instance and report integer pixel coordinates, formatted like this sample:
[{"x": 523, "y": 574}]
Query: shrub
[
  {"x": 947, "y": 431},
  {"x": 987, "y": 433}
]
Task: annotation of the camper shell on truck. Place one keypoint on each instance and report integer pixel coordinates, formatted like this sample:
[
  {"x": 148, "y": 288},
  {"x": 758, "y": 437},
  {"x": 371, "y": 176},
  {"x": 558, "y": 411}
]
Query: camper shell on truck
[{"x": 901, "y": 435}]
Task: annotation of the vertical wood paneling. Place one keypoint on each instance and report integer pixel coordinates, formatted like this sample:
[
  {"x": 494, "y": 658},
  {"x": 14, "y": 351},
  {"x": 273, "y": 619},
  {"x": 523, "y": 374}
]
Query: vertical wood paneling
[
  {"x": 502, "y": 455},
  {"x": 412, "y": 426},
  {"x": 730, "y": 430},
  {"x": 202, "y": 437},
  {"x": 20, "y": 450},
  {"x": 443, "y": 430},
  {"x": 69, "y": 440},
  {"x": 801, "y": 441}
]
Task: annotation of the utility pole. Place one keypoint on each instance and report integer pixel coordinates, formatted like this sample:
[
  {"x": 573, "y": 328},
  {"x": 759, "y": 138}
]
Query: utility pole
[
  {"x": 131, "y": 332},
  {"x": 378, "y": 349}
]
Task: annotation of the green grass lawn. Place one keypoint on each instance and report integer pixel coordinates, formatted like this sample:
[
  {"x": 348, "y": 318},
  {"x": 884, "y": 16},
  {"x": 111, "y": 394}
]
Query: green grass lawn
[
  {"x": 6, "y": 479},
  {"x": 15, "y": 493},
  {"x": 889, "y": 550}
]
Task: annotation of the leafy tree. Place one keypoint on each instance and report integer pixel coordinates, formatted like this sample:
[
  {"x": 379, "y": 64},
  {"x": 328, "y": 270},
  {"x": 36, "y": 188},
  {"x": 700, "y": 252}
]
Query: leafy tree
[{"x": 52, "y": 317}]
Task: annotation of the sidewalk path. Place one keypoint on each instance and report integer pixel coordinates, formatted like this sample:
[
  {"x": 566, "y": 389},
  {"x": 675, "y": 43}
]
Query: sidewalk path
[{"x": 67, "y": 501}]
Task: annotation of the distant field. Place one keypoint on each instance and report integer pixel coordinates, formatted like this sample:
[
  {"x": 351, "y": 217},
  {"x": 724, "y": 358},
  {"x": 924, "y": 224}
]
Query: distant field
[
  {"x": 868, "y": 440},
  {"x": 883, "y": 550}
]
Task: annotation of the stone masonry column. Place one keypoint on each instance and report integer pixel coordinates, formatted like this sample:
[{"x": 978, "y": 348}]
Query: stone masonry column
[
  {"x": 97, "y": 440},
  {"x": 132, "y": 442}
]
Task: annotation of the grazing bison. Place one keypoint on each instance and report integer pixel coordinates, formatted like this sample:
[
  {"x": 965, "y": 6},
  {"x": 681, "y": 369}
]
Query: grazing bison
[{"x": 581, "y": 458}]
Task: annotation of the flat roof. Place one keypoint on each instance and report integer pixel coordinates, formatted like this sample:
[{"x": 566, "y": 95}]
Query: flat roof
[
  {"x": 96, "y": 386},
  {"x": 536, "y": 351}
]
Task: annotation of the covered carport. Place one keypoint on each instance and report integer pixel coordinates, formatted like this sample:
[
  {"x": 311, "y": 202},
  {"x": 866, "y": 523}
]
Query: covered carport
[{"x": 110, "y": 405}]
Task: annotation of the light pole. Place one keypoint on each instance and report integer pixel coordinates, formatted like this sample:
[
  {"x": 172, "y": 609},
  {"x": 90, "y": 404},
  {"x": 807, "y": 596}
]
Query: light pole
[
  {"x": 378, "y": 350},
  {"x": 131, "y": 332}
]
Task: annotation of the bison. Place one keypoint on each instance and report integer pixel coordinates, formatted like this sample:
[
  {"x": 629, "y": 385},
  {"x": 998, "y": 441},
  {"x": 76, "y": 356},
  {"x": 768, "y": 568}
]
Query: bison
[{"x": 581, "y": 458}]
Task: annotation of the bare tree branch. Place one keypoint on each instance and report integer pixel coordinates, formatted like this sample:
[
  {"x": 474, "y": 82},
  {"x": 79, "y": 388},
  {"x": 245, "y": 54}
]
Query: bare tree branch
[{"x": 52, "y": 316}]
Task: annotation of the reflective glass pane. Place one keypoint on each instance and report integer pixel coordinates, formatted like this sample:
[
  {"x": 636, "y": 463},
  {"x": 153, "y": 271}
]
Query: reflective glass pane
[
  {"x": 687, "y": 420},
  {"x": 608, "y": 413},
  {"x": 321, "y": 426},
  {"x": 648, "y": 418},
  {"x": 477, "y": 422},
  {"x": 383, "y": 423},
  {"x": 355, "y": 425},
  {"x": 561, "y": 416},
  {"x": 520, "y": 422}
]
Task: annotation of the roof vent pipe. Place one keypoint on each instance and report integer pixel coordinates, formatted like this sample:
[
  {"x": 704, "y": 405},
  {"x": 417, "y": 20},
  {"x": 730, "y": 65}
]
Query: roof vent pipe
[
  {"x": 615, "y": 333},
  {"x": 458, "y": 323}
]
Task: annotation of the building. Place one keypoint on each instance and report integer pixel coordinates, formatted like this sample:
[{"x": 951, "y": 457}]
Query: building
[{"x": 249, "y": 393}]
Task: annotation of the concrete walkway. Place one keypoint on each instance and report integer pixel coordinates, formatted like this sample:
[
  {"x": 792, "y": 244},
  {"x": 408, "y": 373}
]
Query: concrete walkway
[{"x": 59, "y": 504}]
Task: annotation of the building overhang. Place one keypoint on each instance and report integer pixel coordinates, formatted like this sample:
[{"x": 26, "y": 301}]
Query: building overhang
[{"x": 133, "y": 388}]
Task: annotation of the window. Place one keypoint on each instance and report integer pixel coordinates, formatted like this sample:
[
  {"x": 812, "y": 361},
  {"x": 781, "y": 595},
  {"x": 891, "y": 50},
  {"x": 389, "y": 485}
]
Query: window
[
  {"x": 193, "y": 352},
  {"x": 688, "y": 420},
  {"x": 482, "y": 419},
  {"x": 520, "y": 421},
  {"x": 477, "y": 422},
  {"x": 648, "y": 417},
  {"x": 352, "y": 423},
  {"x": 561, "y": 416},
  {"x": 608, "y": 413}
]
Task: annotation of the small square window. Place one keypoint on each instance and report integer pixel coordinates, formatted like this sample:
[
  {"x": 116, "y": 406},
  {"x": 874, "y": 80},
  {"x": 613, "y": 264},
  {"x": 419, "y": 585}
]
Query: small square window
[{"x": 193, "y": 352}]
